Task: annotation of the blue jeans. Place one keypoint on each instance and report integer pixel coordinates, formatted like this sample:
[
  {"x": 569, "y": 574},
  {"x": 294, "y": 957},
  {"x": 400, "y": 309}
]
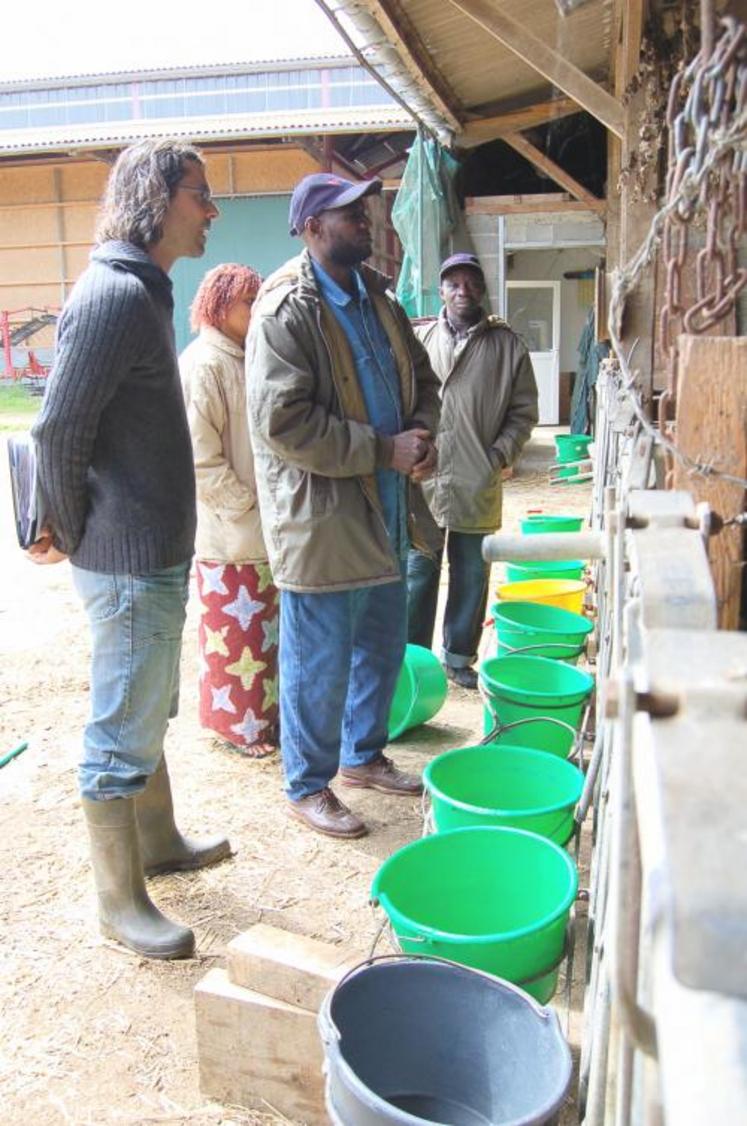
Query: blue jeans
[
  {"x": 339, "y": 659},
  {"x": 136, "y": 632},
  {"x": 467, "y": 598}
]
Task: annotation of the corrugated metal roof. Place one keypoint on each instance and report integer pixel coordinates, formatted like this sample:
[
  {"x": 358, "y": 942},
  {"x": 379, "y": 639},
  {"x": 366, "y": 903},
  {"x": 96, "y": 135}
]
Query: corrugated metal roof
[
  {"x": 381, "y": 119},
  {"x": 103, "y": 78},
  {"x": 481, "y": 71}
]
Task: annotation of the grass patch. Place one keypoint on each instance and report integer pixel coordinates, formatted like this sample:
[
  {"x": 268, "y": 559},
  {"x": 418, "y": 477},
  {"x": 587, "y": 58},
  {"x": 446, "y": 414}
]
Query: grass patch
[{"x": 18, "y": 407}]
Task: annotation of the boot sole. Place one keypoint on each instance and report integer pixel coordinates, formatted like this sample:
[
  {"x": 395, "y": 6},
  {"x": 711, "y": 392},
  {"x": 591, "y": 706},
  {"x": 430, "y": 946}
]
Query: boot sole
[
  {"x": 160, "y": 953},
  {"x": 192, "y": 864},
  {"x": 380, "y": 789},
  {"x": 351, "y": 835}
]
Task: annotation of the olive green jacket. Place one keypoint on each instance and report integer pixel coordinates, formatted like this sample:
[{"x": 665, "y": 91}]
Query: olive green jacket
[
  {"x": 488, "y": 410},
  {"x": 315, "y": 450}
]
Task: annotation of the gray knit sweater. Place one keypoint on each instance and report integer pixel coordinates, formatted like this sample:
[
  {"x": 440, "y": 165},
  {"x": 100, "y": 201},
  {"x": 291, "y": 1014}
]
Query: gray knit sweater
[{"x": 112, "y": 441}]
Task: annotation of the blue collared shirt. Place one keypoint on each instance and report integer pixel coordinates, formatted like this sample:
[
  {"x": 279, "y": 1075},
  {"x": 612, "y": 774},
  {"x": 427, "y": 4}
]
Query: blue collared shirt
[{"x": 379, "y": 382}]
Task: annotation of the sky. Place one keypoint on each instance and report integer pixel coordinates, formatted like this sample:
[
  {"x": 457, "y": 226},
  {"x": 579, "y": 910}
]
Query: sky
[{"x": 90, "y": 36}]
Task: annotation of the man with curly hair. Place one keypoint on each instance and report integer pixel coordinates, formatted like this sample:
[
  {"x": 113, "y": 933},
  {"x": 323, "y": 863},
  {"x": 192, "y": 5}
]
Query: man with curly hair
[{"x": 115, "y": 467}]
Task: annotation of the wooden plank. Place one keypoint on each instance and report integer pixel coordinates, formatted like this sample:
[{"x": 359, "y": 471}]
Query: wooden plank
[
  {"x": 415, "y": 57},
  {"x": 520, "y": 205},
  {"x": 545, "y": 60},
  {"x": 483, "y": 129},
  {"x": 254, "y": 1051},
  {"x": 712, "y": 428},
  {"x": 288, "y": 967},
  {"x": 536, "y": 157}
]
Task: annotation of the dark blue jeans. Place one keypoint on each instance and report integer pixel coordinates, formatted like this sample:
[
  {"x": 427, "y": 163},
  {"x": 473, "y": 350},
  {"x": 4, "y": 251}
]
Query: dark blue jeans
[
  {"x": 467, "y": 598},
  {"x": 339, "y": 659}
]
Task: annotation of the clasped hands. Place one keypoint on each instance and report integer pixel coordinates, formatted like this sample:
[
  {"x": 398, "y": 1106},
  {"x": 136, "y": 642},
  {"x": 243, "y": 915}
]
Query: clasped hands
[{"x": 414, "y": 454}]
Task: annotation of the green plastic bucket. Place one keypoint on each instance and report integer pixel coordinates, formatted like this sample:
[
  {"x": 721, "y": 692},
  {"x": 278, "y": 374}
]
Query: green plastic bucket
[
  {"x": 572, "y": 447},
  {"x": 420, "y": 690},
  {"x": 535, "y": 523},
  {"x": 538, "y": 630},
  {"x": 545, "y": 698},
  {"x": 502, "y": 786},
  {"x": 545, "y": 569},
  {"x": 493, "y": 899}
]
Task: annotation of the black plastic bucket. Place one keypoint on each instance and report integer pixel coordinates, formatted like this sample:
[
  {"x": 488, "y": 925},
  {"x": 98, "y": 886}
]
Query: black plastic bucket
[{"x": 417, "y": 1041}]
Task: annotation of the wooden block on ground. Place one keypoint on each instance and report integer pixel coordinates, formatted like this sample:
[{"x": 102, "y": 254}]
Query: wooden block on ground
[
  {"x": 289, "y": 967},
  {"x": 257, "y": 1051}
]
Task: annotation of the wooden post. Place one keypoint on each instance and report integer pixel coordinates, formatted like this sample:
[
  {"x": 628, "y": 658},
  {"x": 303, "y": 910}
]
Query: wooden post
[{"x": 712, "y": 428}]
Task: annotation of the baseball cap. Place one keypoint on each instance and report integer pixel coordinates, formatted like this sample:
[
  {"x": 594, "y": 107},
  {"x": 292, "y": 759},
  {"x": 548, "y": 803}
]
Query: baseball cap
[
  {"x": 455, "y": 260},
  {"x": 323, "y": 191}
]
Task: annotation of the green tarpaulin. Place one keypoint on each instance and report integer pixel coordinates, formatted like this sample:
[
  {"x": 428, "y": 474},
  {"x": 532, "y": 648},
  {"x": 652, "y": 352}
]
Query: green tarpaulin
[{"x": 425, "y": 213}]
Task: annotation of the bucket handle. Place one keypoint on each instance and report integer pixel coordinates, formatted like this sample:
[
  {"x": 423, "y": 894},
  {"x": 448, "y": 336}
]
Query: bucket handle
[
  {"x": 547, "y": 645},
  {"x": 541, "y": 1010},
  {"x": 499, "y": 728}
]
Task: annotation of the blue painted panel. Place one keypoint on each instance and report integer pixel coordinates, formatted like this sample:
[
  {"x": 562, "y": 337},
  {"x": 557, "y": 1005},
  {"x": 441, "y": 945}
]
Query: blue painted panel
[{"x": 253, "y": 232}]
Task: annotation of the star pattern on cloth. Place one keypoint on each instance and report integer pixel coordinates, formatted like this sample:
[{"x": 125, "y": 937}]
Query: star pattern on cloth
[
  {"x": 246, "y": 668},
  {"x": 264, "y": 574},
  {"x": 250, "y": 727},
  {"x": 270, "y": 630},
  {"x": 215, "y": 641},
  {"x": 212, "y": 579},
  {"x": 243, "y": 608},
  {"x": 222, "y": 701},
  {"x": 271, "y": 693}
]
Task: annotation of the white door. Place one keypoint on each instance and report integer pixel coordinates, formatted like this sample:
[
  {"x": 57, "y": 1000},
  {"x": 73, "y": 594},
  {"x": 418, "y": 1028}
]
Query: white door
[{"x": 533, "y": 311}]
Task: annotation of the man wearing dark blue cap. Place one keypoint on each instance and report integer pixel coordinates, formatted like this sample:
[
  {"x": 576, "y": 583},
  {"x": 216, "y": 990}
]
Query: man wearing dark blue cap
[
  {"x": 488, "y": 409},
  {"x": 343, "y": 406}
]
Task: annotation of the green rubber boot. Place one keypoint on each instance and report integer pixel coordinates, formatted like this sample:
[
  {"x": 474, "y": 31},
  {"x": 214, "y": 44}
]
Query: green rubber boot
[
  {"x": 126, "y": 912},
  {"x": 162, "y": 846}
]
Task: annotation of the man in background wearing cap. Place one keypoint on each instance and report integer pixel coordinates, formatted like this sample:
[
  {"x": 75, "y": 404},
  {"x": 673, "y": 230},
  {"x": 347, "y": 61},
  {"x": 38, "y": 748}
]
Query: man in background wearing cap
[
  {"x": 343, "y": 406},
  {"x": 488, "y": 409}
]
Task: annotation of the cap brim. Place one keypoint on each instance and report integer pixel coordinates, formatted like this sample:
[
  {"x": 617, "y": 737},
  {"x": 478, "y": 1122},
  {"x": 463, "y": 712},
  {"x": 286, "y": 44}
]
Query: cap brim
[{"x": 358, "y": 191}]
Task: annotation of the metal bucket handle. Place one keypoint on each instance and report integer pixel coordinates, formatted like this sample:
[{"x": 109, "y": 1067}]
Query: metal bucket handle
[
  {"x": 543, "y": 1011},
  {"x": 547, "y": 645}
]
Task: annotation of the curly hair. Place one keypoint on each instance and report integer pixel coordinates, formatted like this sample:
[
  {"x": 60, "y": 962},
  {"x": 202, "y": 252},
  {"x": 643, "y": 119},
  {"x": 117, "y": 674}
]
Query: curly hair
[
  {"x": 221, "y": 288},
  {"x": 139, "y": 190}
]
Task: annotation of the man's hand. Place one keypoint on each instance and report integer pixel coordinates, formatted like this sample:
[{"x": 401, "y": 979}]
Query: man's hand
[
  {"x": 44, "y": 551},
  {"x": 427, "y": 464},
  {"x": 412, "y": 448}
]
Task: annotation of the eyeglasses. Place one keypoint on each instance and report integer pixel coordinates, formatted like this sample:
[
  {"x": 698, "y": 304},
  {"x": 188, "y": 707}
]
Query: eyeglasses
[{"x": 206, "y": 198}]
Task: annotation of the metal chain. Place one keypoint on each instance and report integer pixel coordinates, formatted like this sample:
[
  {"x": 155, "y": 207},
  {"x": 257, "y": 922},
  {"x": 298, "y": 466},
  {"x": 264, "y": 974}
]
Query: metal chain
[
  {"x": 704, "y": 99},
  {"x": 707, "y": 173}
]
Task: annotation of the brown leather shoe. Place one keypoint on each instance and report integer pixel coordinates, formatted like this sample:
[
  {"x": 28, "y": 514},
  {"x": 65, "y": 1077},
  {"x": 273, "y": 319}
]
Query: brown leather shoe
[
  {"x": 325, "y": 813},
  {"x": 382, "y": 774}
]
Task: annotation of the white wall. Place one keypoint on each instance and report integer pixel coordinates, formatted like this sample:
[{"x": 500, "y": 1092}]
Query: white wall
[{"x": 576, "y": 296}]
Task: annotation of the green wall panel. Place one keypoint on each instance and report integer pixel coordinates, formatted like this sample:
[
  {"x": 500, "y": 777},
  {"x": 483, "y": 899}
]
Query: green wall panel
[{"x": 252, "y": 231}]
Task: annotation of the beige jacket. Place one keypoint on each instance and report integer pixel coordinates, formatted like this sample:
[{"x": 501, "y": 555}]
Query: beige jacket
[
  {"x": 488, "y": 410},
  {"x": 316, "y": 452},
  {"x": 228, "y": 520}
]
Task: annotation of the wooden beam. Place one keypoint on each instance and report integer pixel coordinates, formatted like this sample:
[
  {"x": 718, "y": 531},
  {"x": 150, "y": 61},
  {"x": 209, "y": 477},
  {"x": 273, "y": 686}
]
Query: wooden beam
[
  {"x": 521, "y": 204},
  {"x": 415, "y": 57},
  {"x": 546, "y": 61},
  {"x": 536, "y": 157},
  {"x": 484, "y": 129}
]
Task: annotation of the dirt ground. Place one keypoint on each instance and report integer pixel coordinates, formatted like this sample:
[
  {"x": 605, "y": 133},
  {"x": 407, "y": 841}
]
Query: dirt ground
[{"x": 93, "y": 1034}]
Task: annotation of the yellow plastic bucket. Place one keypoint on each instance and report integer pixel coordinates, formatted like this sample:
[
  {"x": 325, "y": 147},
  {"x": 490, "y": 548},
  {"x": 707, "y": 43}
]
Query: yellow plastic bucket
[{"x": 568, "y": 594}]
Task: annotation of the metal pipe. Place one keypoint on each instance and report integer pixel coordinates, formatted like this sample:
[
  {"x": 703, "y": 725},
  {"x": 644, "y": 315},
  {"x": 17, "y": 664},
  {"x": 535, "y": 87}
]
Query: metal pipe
[{"x": 551, "y": 545}]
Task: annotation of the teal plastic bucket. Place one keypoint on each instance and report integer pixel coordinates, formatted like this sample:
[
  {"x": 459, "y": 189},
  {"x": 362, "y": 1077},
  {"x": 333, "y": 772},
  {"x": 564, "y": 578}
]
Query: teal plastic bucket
[
  {"x": 572, "y": 447},
  {"x": 539, "y": 630},
  {"x": 493, "y": 899},
  {"x": 545, "y": 569},
  {"x": 420, "y": 690},
  {"x": 544, "y": 698},
  {"x": 536, "y": 523},
  {"x": 497, "y": 785}
]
